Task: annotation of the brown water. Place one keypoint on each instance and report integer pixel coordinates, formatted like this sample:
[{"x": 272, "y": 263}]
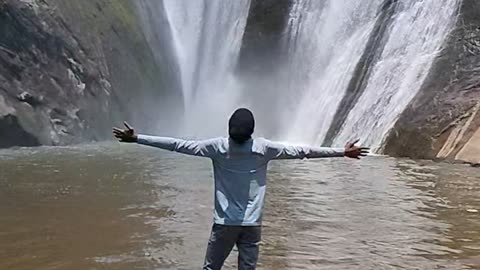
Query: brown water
[{"x": 109, "y": 206}]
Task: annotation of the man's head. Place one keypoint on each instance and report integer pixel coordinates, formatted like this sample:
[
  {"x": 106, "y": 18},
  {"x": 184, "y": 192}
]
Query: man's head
[{"x": 241, "y": 125}]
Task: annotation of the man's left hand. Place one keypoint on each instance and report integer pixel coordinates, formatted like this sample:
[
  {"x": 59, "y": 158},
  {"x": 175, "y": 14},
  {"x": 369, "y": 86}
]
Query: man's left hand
[{"x": 355, "y": 152}]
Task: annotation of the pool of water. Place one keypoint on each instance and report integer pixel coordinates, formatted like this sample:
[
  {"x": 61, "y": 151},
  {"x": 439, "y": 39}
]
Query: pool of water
[{"x": 112, "y": 206}]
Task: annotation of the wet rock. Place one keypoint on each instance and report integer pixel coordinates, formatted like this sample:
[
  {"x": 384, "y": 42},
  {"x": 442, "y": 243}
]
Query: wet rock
[
  {"x": 444, "y": 116},
  {"x": 13, "y": 134},
  {"x": 261, "y": 44},
  {"x": 71, "y": 55},
  {"x": 30, "y": 99}
]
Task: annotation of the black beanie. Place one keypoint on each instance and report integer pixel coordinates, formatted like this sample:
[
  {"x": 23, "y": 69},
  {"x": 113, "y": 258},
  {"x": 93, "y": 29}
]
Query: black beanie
[{"x": 241, "y": 125}]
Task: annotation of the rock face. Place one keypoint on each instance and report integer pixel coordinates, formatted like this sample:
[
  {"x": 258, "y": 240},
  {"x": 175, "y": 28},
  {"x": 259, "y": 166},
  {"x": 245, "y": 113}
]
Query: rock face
[
  {"x": 443, "y": 121},
  {"x": 470, "y": 150},
  {"x": 70, "y": 69},
  {"x": 262, "y": 57},
  {"x": 261, "y": 45}
]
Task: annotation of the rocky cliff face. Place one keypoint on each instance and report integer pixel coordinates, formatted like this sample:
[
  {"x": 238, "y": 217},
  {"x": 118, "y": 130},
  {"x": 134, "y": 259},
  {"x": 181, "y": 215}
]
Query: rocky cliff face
[
  {"x": 71, "y": 69},
  {"x": 261, "y": 48},
  {"x": 443, "y": 121}
]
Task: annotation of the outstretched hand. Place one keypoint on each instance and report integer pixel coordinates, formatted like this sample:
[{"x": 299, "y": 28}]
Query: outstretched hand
[
  {"x": 125, "y": 135},
  {"x": 356, "y": 152}
]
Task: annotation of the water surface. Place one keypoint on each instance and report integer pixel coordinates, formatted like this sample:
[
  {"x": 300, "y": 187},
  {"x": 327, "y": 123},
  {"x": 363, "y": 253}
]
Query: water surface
[{"x": 112, "y": 206}]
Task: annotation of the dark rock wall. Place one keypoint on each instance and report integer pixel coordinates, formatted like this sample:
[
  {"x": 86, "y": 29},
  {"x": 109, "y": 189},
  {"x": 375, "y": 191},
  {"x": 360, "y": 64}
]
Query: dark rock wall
[
  {"x": 262, "y": 57},
  {"x": 444, "y": 115},
  {"x": 69, "y": 70},
  {"x": 261, "y": 46}
]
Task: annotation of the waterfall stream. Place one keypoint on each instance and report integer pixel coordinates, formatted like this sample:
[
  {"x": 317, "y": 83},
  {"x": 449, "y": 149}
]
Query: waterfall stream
[
  {"x": 417, "y": 35},
  {"x": 207, "y": 37},
  {"x": 352, "y": 66},
  {"x": 380, "y": 50}
]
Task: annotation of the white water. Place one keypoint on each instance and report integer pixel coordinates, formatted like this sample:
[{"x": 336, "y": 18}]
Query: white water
[
  {"x": 207, "y": 38},
  {"x": 326, "y": 43},
  {"x": 326, "y": 40},
  {"x": 416, "y": 38}
]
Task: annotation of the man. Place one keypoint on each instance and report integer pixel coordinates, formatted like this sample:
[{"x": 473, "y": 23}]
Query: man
[{"x": 240, "y": 171}]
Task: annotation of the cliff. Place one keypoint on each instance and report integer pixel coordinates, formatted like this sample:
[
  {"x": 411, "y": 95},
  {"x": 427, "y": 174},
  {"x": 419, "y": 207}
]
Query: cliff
[
  {"x": 69, "y": 70},
  {"x": 443, "y": 121},
  {"x": 261, "y": 45}
]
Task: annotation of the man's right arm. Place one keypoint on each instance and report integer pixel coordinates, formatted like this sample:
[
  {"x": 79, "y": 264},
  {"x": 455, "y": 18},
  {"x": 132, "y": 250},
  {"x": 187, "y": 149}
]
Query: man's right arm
[{"x": 207, "y": 148}]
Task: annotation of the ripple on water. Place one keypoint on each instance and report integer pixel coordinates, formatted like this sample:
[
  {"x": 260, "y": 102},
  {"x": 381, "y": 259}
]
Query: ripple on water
[{"x": 127, "y": 207}]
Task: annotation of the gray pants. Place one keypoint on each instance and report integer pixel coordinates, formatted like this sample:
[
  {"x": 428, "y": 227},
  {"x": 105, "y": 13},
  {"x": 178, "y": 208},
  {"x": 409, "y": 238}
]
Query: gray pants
[{"x": 222, "y": 240}]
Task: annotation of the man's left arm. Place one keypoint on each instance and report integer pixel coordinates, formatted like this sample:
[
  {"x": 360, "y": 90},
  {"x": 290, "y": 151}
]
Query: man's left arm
[{"x": 276, "y": 150}]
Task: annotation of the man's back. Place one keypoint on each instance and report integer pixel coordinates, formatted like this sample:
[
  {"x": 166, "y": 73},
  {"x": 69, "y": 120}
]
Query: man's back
[{"x": 240, "y": 172}]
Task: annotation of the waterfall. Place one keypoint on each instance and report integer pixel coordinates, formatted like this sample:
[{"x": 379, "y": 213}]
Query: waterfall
[
  {"x": 326, "y": 40},
  {"x": 351, "y": 67},
  {"x": 416, "y": 38},
  {"x": 358, "y": 64},
  {"x": 207, "y": 37}
]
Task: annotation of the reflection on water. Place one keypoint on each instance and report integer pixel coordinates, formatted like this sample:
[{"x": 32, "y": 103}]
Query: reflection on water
[{"x": 109, "y": 206}]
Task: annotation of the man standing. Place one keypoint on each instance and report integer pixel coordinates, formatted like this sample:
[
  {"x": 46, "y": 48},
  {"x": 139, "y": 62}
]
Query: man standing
[{"x": 240, "y": 172}]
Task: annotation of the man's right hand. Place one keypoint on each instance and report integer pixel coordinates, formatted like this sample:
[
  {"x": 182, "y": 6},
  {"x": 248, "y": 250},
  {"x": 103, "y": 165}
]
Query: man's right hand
[{"x": 125, "y": 135}]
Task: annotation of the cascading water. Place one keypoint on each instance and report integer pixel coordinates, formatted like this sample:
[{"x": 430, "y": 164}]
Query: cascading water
[
  {"x": 417, "y": 35},
  {"x": 353, "y": 66},
  {"x": 326, "y": 45},
  {"x": 207, "y": 37},
  {"x": 326, "y": 40}
]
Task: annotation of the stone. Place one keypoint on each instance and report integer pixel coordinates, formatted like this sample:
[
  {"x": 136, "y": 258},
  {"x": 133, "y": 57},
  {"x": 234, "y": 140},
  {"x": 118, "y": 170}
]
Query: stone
[
  {"x": 59, "y": 56},
  {"x": 30, "y": 99},
  {"x": 13, "y": 134}
]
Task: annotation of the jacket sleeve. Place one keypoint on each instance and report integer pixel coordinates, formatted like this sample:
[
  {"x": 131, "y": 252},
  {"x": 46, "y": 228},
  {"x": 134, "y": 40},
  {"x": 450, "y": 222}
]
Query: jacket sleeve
[
  {"x": 276, "y": 150},
  {"x": 206, "y": 148}
]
